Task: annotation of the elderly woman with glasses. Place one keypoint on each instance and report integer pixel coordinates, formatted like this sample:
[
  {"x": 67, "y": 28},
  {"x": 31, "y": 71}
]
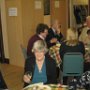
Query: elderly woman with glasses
[{"x": 42, "y": 67}]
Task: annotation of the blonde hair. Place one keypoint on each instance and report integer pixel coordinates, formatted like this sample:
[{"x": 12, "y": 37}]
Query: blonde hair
[
  {"x": 39, "y": 45},
  {"x": 88, "y": 17},
  {"x": 72, "y": 37}
]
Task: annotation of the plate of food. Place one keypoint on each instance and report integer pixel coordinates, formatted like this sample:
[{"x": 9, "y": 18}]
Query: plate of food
[{"x": 38, "y": 87}]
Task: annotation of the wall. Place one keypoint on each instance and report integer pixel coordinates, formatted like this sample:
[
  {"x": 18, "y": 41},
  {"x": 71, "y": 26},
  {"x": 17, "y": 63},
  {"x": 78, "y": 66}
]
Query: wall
[
  {"x": 30, "y": 18},
  {"x": 14, "y": 31},
  {"x": 47, "y": 19},
  {"x": 60, "y": 13},
  {"x": 21, "y": 27},
  {"x": 80, "y": 2}
]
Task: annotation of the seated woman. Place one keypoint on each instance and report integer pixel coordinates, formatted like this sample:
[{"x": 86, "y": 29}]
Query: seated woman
[
  {"x": 42, "y": 67},
  {"x": 72, "y": 44}
]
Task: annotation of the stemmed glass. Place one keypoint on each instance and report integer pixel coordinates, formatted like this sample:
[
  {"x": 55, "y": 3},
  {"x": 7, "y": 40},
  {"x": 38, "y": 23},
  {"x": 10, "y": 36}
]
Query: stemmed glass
[{"x": 29, "y": 74}]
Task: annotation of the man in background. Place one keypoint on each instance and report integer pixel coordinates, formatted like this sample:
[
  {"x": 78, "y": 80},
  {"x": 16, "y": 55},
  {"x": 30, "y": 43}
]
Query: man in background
[
  {"x": 41, "y": 33},
  {"x": 54, "y": 35}
]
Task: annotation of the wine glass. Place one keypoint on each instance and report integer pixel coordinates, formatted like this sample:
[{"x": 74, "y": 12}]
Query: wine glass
[{"x": 29, "y": 74}]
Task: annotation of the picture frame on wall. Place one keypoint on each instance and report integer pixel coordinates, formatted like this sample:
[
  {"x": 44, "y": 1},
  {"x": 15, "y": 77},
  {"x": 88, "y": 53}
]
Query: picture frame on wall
[{"x": 46, "y": 7}]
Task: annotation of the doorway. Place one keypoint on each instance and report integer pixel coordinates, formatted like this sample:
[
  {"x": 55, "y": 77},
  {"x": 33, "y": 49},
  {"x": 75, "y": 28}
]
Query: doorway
[{"x": 1, "y": 43}]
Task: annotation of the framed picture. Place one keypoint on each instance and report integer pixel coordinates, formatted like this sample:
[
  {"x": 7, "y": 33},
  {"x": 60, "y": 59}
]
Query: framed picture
[{"x": 46, "y": 7}]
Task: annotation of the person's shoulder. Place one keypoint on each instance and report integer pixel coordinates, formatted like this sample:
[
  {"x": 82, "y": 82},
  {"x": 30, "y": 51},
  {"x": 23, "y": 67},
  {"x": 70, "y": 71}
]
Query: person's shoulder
[
  {"x": 34, "y": 36},
  {"x": 81, "y": 43},
  {"x": 49, "y": 58},
  {"x": 61, "y": 33},
  {"x": 50, "y": 30},
  {"x": 84, "y": 30},
  {"x": 30, "y": 58},
  {"x": 63, "y": 43}
]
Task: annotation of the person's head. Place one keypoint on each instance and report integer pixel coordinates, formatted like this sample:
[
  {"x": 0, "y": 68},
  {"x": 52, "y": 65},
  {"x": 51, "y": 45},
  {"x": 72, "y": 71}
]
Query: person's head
[
  {"x": 55, "y": 24},
  {"x": 39, "y": 49},
  {"x": 42, "y": 29},
  {"x": 88, "y": 33},
  {"x": 88, "y": 21},
  {"x": 72, "y": 37}
]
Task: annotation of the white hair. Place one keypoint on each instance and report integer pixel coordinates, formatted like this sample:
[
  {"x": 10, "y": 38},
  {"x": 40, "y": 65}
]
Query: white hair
[{"x": 40, "y": 45}]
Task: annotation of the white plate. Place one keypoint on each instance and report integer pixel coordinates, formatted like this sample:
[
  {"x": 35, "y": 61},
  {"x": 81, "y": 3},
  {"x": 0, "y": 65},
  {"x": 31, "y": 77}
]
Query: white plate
[
  {"x": 46, "y": 87},
  {"x": 31, "y": 85},
  {"x": 64, "y": 86},
  {"x": 40, "y": 86}
]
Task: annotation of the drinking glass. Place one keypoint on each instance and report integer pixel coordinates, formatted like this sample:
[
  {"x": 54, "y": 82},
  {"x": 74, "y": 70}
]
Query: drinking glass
[{"x": 29, "y": 74}]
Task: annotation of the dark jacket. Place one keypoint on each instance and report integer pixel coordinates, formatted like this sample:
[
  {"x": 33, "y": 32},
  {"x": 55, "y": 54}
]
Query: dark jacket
[
  {"x": 50, "y": 69},
  {"x": 65, "y": 48},
  {"x": 52, "y": 34}
]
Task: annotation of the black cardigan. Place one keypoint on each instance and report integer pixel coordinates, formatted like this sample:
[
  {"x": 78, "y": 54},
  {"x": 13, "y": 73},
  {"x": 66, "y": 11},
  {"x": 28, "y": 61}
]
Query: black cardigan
[
  {"x": 50, "y": 69},
  {"x": 51, "y": 35},
  {"x": 77, "y": 48}
]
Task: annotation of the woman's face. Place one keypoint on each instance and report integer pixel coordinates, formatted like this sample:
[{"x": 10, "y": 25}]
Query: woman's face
[{"x": 39, "y": 55}]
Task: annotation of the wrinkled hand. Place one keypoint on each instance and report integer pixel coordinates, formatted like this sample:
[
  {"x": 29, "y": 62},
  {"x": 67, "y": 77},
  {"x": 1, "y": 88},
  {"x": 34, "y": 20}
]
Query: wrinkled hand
[
  {"x": 53, "y": 40},
  {"x": 27, "y": 78}
]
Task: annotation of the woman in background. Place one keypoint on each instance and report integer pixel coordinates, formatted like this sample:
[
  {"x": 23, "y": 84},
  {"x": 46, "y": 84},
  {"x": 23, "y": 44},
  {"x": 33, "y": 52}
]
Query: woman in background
[
  {"x": 42, "y": 67},
  {"x": 72, "y": 44}
]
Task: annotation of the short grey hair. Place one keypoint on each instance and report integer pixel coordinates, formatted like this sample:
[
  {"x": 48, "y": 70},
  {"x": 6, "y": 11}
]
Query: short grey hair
[{"x": 40, "y": 45}]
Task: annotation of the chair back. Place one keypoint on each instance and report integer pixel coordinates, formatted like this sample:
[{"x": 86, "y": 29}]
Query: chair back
[
  {"x": 73, "y": 64},
  {"x": 24, "y": 51}
]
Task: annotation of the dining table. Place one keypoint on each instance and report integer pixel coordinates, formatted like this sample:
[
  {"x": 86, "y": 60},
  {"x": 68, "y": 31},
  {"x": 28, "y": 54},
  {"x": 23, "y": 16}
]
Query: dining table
[
  {"x": 48, "y": 87},
  {"x": 45, "y": 87}
]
